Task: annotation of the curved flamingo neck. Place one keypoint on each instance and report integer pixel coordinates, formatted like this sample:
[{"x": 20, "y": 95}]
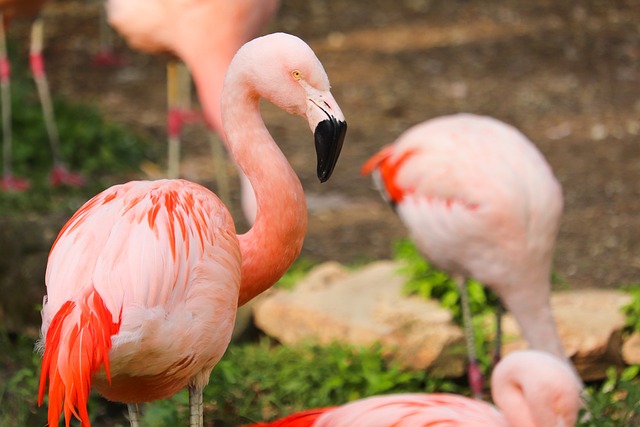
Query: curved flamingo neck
[
  {"x": 275, "y": 240},
  {"x": 514, "y": 406},
  {"x": 534, "y": 314}
]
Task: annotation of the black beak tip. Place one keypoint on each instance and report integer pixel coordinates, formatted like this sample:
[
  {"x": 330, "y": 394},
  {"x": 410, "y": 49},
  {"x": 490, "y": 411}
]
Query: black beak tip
[
  {"x": 329, "y": 136},
  {"x": 324, "y": 177}
]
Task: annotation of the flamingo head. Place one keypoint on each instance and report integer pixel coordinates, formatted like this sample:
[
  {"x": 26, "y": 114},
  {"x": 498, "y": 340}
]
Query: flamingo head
[{"x": 284, "y": 70}]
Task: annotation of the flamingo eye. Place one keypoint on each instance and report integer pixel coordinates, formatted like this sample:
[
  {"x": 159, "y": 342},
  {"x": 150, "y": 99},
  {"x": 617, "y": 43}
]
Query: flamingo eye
[{"x": 296, "y": 74}]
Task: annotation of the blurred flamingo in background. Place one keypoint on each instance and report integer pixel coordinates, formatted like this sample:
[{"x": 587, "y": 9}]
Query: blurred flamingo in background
[
  {"x": 532, "y": 389},
  {"x": 60, "y": 173},
  {"x": 480, "y": 201},
  {"x": 144, "y": 281},
  {"x": 187, "y": 29}
]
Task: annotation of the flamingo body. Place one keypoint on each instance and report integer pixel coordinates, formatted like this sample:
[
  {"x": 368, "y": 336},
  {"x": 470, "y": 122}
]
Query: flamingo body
[
  {"x": 532, "y": 389},
  {"x": 144, "y": 281},
  {"x": 480, "y": 201},
  {"x": 169, "y": 26},
  {"x": 205, "y": 34},
  {"x": 170, "y": 288}
]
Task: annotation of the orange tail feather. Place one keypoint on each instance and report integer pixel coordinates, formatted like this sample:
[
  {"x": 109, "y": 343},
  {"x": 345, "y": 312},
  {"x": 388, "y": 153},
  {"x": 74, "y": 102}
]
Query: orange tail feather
[
  {"x": 77, "y": 345},
  {"x": 299, "y": 419}
]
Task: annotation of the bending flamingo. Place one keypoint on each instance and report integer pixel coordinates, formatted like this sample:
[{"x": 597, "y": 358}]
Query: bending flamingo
[
  {"x": 480, "y": 201},
  {"x": 188, "y": 30},
  {"x": 144, "y": 280},
  {"x": 60, "y": 174},
  {"x": 531, "y": 388}
]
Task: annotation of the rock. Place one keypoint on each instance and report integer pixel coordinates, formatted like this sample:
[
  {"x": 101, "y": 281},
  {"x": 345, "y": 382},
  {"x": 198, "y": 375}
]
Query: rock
[
  {"x": 363, "y": 308},
  {"x": 367, "y": 306},
  {"x": 631, "y": 350}
]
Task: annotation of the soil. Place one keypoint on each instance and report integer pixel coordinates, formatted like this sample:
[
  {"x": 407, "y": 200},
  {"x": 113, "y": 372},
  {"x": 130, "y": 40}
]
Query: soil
[{"x": 565, "y": 73}]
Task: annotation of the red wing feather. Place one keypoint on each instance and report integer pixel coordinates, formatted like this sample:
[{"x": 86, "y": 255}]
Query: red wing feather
[{"x": 388, "y": 166}]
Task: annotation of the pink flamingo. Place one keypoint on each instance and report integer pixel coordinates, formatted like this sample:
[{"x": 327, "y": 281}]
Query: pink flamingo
[
  {"x": 532, "y": 389},
  {"x": 205, "y": 34},
  {"x": 60, "y": 174},
  {"x": 480, "y": 201},
  {"x": 144, "y": 281}
]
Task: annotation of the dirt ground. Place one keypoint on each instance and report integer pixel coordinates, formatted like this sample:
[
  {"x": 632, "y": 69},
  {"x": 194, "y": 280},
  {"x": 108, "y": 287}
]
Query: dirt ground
[{"x": 566, "y": 73}]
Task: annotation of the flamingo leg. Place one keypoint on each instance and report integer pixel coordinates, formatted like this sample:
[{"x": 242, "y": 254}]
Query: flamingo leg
[
  {"x": 474, "y": 373},
  {"x": 174, "y": 124},
  {"x": 220, "y": 166},
  {"x": 60, "y": 173},
  {"x": 179, "y": 111},
  {"x": 134, "y": 414},
  {"x": 196, "y": 418},
  {"x": 497, "y": 351},
  {"x": 8, "y": 181},
  {"x": 106, "y": 56}
]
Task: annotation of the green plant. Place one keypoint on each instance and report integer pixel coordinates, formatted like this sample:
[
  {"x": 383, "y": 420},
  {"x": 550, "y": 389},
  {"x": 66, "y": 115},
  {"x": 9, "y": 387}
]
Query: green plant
[
  {"x": 615, "y": 402},
  {"x": 264, "y": 381},
  {"x": 631, "y": 310},
  {"x": 18, "y": 382}
]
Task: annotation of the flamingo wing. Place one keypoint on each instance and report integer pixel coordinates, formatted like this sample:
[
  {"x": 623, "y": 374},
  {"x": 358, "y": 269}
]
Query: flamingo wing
[
  {"x": 413, "y": 409},
  {"x": 399, "y": 410}
]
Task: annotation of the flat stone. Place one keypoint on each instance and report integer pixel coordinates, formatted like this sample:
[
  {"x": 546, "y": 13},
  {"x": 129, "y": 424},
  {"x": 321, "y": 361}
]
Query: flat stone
[
  {"x": 631, "y": 350},
  {"x": 363, "y": 308},
  {"x": 368, "y": 306}
]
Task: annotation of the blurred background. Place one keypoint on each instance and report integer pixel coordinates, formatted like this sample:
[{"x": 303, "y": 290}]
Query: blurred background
[{"x": 565, "y": 73}]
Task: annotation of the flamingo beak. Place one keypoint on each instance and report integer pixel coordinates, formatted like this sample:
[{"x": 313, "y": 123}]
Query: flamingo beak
[
  {"x": 329, "y": 132},
  {"x": 329, "y": 136}
]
